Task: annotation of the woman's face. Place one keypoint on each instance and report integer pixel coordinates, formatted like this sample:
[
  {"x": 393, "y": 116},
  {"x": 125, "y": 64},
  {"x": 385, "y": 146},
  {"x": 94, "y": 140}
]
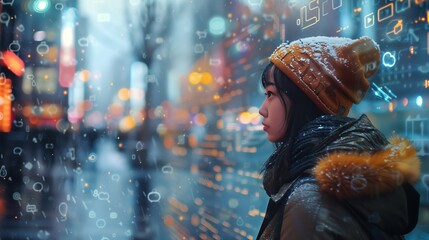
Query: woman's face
[{"x": 273, "y": 111}]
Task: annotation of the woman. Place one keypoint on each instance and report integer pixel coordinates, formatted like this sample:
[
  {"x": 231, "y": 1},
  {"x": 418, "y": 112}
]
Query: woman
[{"x": 331, "y": 176}]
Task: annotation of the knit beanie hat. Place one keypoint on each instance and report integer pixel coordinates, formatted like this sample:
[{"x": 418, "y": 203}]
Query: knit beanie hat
[{"x": 332, "y": 71}]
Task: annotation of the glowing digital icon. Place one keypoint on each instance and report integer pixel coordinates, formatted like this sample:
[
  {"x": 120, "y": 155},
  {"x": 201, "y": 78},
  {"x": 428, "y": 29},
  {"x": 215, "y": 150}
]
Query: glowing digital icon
[
  {"x": 71, "y": 153},
  {"x": 20, "y": 28},
  {"x": 17, "y": 151},
  {"x": 332, "y": 5},
  {"x": 167, "y": 169},
  {"x": 59, "y": 6},
  {"x": 3, "y": 171},
  {"x": 240, "y": 221},
  {"x": 16, "y": 196},
  {"x": 18, "y": 123},
  {"x": 62, "y": 209},
  {"x": 5, "y": 18},
  {"x": 104, "y": 196},
  {"x": 92, "y": 214},
  {"x": 100, "y": 223},
  {"x": 201, "y": 34},
  {"x": 42, "y": 48},
  {"x": 28, "y": 165},
  {"x": 217, "y": 25},
  {"x": 115, "y": 177},
  {"x": 25, "y": 179},
  {"x": 139, "y": 146},
  {"x": 215, "y": 62},
  {"x": 198, "y": 48},
  {"x": 369, "y": 20},
  {"x": 78, "y": 170},
  {"x": 305, "y": 21},
  {"x": 154, "y": 196},
  {"x": 43, "y": 234},
  {"x": 324, "y": 7},
  {"x": 49, "y": 146},
  {"x": 397, "y": 28},
  {"x": 7, "y": 2},
  {"x": 389, "y": 59},
  {"x": 402, "y": 5},
  {"x": 31, "y": 208},
  {"x": 411, "y": 36},
  {"x": 14, "y": 46},
  {"x": 113, "y": 215},
  {"x": 37, "y": 186},
  {"x": 150, "y": 78},
  {"x": 83, "y": 42},
  {"x": 385, "y": 12}
]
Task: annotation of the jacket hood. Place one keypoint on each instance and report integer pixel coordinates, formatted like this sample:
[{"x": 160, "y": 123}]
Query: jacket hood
[
  {"x": 374, "y": 182},
  {"x": 353, "y": 174}
]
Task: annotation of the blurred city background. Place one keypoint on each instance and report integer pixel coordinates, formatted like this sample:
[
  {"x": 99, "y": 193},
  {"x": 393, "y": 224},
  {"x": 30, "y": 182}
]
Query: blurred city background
[{"x": 138, "y": 119}]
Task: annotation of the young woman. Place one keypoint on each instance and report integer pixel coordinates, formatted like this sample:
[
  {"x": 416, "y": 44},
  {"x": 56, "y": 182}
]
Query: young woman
[{"x": 331, "y": 176}]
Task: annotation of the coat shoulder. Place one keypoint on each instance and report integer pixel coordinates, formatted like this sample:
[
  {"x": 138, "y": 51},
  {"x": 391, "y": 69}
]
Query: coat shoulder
[{"x": 310, "y": 212}]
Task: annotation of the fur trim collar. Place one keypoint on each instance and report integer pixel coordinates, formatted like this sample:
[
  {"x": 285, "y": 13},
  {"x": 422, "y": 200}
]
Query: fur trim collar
[{"x": 351, "y": 174}]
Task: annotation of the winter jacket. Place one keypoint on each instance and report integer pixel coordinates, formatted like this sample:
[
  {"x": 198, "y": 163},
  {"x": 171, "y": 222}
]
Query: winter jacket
[{"x": 350, "y": 183}]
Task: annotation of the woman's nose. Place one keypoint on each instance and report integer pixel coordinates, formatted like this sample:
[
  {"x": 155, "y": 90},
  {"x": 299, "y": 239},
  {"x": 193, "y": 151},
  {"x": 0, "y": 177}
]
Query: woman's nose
[{"x": 263, "y": 110}]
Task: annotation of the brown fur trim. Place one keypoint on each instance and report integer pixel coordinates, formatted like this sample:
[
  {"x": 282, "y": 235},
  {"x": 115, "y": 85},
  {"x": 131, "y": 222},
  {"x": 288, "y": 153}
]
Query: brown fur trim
[{"x": 350, "y": 174}]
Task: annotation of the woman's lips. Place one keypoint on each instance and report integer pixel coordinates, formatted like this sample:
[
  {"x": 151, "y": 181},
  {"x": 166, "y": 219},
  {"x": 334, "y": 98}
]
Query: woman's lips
[{"x": 265, "y": 127}]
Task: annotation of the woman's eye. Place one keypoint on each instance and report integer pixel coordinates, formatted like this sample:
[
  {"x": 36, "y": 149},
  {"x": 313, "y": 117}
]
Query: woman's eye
[{"x": 268, "y": 94}]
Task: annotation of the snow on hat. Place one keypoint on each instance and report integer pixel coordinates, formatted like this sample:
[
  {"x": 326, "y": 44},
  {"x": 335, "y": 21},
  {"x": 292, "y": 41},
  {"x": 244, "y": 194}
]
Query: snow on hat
[{"x": 332, "y": 71}]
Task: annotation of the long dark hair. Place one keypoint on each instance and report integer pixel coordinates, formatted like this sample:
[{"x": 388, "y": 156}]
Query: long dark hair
[{"x": 302, "y": 110}]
